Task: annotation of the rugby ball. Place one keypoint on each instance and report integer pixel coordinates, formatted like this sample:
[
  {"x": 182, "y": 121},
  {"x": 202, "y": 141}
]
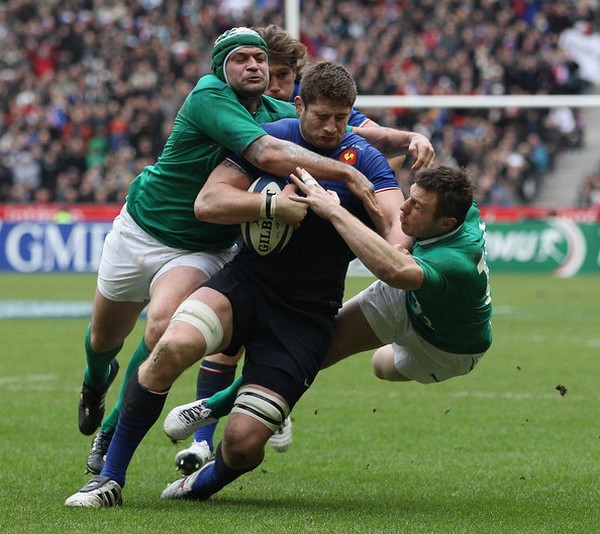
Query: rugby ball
[{"x": 266, "y": 236}]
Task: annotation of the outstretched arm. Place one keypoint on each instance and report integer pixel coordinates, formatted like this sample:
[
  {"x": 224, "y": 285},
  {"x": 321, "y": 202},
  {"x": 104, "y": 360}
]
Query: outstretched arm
[
  {"x": 387, "y": 262},
  {"x": 225, "y": 199}
]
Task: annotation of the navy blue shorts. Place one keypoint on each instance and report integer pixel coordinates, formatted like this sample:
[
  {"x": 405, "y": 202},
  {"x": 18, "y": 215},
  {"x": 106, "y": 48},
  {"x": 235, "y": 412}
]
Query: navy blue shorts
[{"x": 285, "y": 343}]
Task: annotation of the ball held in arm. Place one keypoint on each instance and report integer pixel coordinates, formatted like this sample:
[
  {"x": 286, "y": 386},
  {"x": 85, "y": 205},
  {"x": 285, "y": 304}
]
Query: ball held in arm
[{"x": 268, "y": 235}]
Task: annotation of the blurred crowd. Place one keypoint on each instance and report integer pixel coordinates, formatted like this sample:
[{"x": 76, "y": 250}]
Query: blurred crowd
[
  {"x": 89, "y": 88},
  {"x": 589, "y": 193}
]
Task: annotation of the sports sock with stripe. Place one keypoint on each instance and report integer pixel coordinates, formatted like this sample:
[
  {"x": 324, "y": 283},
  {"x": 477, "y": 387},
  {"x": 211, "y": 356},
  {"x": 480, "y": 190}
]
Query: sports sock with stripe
[
  {"x": 221, "y": 403},
  {"x": 212, "y": 378}
]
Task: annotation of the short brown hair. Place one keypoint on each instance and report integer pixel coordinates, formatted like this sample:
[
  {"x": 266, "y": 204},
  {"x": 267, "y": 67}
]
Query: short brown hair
[
  {"x": 283, "y": 48},
  {"x": 453, "y": 187},
  {"x": 328, "y": 81}
]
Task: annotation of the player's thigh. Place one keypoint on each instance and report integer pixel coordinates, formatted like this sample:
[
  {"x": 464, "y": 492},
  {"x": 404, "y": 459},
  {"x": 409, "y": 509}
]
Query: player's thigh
[
  {"x": 352, "y": 334},
  {"x": 112, "y": 321},
  {"x": 224, "y": 359},
  {"x": 167, "y": 293},
  {"x": 177, "y": 279},
  {"x": 201, "y": 324}
]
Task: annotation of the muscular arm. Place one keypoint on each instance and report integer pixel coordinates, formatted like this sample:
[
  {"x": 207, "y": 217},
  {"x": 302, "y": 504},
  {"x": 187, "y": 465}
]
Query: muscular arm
[
  {"x": 388, "y": 225},
  {"x": 390, "y": 141},
  {"x": 388, "y": 263},
  {"x": 281, "y": 158},
  {"x": 225, "y": 199}
]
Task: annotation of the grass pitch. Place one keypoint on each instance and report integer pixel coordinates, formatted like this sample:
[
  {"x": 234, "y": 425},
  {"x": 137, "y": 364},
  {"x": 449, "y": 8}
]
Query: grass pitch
[{"x": 512, "y": 447}]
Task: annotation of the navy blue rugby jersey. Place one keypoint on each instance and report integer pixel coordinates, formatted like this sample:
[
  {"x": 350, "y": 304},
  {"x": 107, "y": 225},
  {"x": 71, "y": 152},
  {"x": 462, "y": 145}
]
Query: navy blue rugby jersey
[{"x": 310, "y": 271}]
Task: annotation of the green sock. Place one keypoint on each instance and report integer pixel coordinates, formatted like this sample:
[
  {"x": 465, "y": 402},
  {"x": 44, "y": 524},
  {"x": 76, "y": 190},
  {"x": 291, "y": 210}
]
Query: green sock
[
  {"x": 221, "y": 402},
  {"x": 140, "y": 354},
  {"x": 96, "y": 372}
]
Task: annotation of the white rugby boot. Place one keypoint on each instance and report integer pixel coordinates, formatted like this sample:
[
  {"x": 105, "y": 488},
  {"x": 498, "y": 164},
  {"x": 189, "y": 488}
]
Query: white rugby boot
[
  {"x": 99, "y": 492},
  {"x": 193, "y": 458},
  {"x": 182, "y": 421},
  {"x": 183, "y": 488}
]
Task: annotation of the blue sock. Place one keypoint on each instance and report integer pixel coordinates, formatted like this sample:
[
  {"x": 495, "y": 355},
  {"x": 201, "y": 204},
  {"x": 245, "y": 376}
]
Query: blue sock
[
  {"x": 140, "y": 410},
  {"x": 215, "y": 476},
  {"x": 212, "y": 377}
]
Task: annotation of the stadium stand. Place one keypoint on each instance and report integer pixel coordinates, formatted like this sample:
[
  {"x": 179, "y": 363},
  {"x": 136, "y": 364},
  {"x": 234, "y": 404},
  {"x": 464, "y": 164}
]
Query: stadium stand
[{"x": 89, "y": 87}]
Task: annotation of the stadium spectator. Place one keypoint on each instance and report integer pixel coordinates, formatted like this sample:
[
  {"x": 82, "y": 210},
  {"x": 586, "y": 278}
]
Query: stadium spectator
[
  {"x": 68, "y": 68},
  {"x": 589, "y": 194}
]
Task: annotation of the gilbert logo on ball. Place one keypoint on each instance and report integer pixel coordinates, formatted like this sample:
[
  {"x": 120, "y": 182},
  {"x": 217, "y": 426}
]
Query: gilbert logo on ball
[{"x": 268, "y": 235}]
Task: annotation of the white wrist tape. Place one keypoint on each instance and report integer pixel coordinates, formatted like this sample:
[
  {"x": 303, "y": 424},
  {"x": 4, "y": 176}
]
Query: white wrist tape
[{"x": 268, "y": 207}]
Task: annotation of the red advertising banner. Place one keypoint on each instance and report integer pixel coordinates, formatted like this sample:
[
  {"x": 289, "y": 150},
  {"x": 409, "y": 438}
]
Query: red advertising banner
[
  {"x": 58, "y": 212},
  {"x": 107, "y": 212}
]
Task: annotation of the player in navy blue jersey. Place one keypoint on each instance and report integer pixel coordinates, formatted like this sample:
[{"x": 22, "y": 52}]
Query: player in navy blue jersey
[
  {"x": 287, "y": 61},
  {"x": 280, "y": 307}
]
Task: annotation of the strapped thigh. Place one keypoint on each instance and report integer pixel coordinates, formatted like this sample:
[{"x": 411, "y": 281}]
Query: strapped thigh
[
  {"x": 262, "y": 406},
  {"x": 202, "y": 317}
]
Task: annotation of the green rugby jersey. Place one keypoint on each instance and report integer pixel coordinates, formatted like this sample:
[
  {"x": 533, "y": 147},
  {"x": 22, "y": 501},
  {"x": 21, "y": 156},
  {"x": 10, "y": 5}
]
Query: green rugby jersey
[
  {"x": 453, "y": 308},
  {"x": 210, "y": 124}
]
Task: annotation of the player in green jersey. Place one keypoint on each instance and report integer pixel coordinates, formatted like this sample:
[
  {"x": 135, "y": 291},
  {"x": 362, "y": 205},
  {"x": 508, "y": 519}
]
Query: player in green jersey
[
  {"x": 158, "y": 252},
  {"x": 431, "y": 309},
  {"x": 428, "y": 314}
]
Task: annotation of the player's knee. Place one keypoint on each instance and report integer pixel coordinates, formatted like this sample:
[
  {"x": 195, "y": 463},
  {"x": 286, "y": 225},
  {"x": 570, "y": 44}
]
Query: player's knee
[
  {"x": 205, "y": 320},
  {"x": 155, "y": 327},
  {"x": 244, "y": 442},
  {"x": 224, "y": 359},
  {"x": 168, "y": 360},
  {"x": 242, "y": 449},
  {"x": 104, "y": 340},
  {"x": 255, "y": 416},
  {"x": 383, "y": 364}
]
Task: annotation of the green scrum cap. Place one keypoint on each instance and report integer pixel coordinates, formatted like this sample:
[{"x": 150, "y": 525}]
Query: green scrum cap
[{"x": 228, "y": 42}]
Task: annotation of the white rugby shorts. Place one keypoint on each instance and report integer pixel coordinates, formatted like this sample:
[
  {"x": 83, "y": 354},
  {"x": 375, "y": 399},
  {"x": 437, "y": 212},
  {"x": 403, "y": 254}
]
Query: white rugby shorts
[
  {"x": 384, "y": 308},
  {"x": 132, "y": 260}
]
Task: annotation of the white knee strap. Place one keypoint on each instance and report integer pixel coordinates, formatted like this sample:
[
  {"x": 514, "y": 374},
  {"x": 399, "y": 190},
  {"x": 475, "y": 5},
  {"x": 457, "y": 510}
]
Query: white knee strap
[
  {"x": 204, "y": 319},
  {"x": 262, "y": 406}
]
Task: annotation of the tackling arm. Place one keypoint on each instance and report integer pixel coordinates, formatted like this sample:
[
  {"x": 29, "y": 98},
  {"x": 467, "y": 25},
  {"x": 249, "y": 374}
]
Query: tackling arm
[
  {"x": 388, "y": 225},
  {"x": 389, "y": 263},
  {"x": 390, "y": 141},
  {"x": 281, "y": 158},
  {"x": 225, "y": 199}
]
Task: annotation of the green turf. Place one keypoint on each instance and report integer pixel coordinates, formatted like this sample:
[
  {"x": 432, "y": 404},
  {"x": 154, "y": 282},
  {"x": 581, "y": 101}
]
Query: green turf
[{"x": 498, "y": 451}]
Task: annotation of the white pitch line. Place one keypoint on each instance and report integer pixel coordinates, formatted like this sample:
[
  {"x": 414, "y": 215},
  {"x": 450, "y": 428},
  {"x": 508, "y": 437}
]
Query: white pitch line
[
  {"x": 27, "y": 379},
  {"x": 515, "y": 396}
]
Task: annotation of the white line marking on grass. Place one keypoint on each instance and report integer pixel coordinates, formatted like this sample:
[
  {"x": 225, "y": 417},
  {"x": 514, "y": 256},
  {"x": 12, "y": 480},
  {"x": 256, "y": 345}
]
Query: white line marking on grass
[
  {"x": 28, "y": 383},
  {"x": 27, "y": 379},
  {"x": 23, "y": 309},
  {"x": 41, "y": 309},
  {"x": 514, "y": 396},
  {"x": 504, "y": 310}
]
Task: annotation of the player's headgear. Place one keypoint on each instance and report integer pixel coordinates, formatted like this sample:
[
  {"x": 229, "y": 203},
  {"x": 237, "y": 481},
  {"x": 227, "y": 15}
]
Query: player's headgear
[{"x": 230, "y": 41}]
